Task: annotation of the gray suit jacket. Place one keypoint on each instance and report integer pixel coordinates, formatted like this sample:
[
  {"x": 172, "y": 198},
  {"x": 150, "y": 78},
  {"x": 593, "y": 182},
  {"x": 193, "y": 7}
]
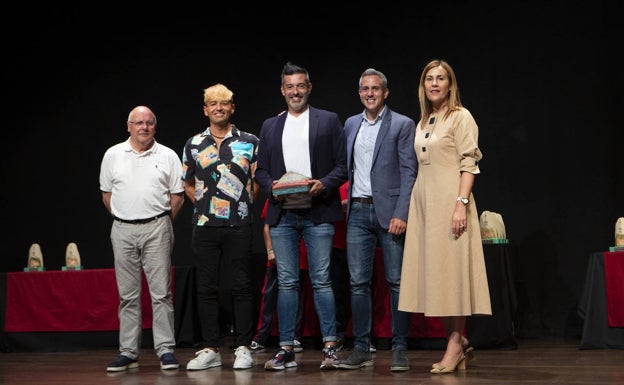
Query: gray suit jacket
[{"x": 394, "y": 167}]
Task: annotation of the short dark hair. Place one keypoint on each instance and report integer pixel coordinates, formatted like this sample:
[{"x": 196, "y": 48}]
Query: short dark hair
[{"x": 291, "y": 69}]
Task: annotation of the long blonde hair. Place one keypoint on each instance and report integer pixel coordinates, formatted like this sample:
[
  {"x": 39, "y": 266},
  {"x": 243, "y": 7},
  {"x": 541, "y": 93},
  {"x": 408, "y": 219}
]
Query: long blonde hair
[{"x": 454, "y": 102}]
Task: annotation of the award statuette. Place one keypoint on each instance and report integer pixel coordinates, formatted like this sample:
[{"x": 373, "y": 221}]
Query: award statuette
[
  {"x": 619, "y": 235},
  {"x": 291, "y": 183},
  {"x": 72, "y": 258},
  {"x": 35, "y": 258},
  {"x": 492, "y": 228}
]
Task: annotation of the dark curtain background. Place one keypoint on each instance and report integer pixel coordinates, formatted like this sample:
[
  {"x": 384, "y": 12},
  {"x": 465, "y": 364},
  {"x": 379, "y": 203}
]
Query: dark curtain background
[{"x": 540, "y": 77}]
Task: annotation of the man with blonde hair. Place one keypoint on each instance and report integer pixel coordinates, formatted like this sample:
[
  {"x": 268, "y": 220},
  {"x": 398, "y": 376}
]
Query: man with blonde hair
[{"x": 219, "y": 165}]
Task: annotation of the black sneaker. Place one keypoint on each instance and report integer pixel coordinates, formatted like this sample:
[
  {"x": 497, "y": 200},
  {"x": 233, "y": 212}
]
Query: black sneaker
[
  {"x": 122, "y": 363},
  {"x": 357, "y": 359},
  {"x": 330, "y": 358},
  {"x": 256, "y": 347},
  {"x": 168, "y": 361},
  {"x": 283, "y": 359}
]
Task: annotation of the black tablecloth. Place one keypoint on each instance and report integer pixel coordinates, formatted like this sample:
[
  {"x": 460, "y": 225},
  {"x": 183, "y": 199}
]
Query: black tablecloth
[
  {"x": 497, "y": 331},
  {"x": 593, "y": 309}
]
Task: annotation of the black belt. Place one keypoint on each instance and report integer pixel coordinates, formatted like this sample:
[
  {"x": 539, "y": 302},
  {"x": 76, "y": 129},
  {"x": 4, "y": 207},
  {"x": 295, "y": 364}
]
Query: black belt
[
  {"x": 142, "y": 221},
  {"x": 303, "y": 212},
  {"x": 364, "y": 201}
]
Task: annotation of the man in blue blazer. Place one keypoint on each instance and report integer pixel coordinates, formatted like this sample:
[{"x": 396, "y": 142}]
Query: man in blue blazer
[
  {"x": 382, "y": 169},
  {"x": 310, "y": 142}
]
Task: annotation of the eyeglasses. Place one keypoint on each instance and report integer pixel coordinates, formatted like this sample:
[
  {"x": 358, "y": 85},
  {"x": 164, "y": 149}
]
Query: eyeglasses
[{"x": 149, "y": 123}]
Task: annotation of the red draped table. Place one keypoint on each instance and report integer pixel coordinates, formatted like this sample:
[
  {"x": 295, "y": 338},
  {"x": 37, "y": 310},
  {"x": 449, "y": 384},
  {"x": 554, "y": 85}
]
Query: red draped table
[
  {"x": 614, "y": 285},
  {"x": 62, "y": 301},
  {"x": 602, "y": 302},
  {"x": 496, "y": 331},
  {"x": 74, "y": 310},
  {"x": 420, "y": 326},
  {"x": 69, "y": 310}
]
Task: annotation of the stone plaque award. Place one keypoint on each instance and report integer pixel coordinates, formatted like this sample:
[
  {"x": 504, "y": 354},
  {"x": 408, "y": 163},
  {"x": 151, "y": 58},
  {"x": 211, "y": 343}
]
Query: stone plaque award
[
  {"x": 291, "y": 183},
  {"x": 35, "y": 259},
  {"x": 492, "y": 228},
  {"x": 72, "y": 258}
]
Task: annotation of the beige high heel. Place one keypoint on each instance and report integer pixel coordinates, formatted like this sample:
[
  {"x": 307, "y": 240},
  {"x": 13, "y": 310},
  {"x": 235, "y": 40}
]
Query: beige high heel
[
  {"x": 468, "y": 352},
  {"x": 460, "y": 364}
]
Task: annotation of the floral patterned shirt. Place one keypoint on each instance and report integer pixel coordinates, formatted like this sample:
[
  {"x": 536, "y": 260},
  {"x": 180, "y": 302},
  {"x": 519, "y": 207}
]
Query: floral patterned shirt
[{"x": 223, "y": 177}]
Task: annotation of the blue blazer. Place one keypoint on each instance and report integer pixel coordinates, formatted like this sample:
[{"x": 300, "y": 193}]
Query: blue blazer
[
  {"x": 394, "y": 167},
  {"x": 327, "y": 158}
]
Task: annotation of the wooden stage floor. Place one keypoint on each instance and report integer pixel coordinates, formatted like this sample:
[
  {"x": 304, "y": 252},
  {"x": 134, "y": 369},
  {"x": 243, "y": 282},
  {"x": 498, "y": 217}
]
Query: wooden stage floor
[{"x": 534, "y": 362}]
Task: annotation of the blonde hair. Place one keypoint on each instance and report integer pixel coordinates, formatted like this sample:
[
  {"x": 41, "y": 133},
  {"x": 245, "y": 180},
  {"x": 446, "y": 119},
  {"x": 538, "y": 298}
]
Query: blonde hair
[
  {"x": 454, "y": 102},
  {"x": 219, "y": 93}
]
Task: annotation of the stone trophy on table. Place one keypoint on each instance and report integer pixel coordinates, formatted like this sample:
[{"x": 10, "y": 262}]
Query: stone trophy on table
[
  {"x": 72, "y": 258},
  {"x": 492, "y": 228},
  {"x": 619, "y": 235},
  {"x": 35, "y": 259}
]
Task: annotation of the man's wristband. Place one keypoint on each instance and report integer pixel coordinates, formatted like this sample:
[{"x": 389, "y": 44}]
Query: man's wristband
[{"x": 270, "y": 251}]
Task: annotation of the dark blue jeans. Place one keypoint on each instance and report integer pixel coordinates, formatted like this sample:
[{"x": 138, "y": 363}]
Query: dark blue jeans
[
  {"x": 286, "y": 235},
  {"x": 363, "y": 234},
  {"x": 269, "y": 305}
]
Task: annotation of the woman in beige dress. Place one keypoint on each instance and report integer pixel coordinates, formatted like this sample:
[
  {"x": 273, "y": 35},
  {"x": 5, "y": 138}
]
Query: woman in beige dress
[{"x": 443, "y": 271}]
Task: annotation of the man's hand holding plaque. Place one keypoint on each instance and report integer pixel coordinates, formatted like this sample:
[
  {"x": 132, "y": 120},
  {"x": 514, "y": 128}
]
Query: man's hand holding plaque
[{"x": 292, "y": 183}]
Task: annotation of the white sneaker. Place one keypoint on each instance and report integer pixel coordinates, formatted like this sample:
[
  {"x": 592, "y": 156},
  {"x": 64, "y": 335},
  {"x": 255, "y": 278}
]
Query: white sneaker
[
  {"x": 297, "y": 347},
  {"x": 243, "y": 358},
  {"x": 204, "y": 359}
]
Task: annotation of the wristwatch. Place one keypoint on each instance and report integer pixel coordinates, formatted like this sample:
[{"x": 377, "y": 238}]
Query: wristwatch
[{"x": 463, "y": 200}]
